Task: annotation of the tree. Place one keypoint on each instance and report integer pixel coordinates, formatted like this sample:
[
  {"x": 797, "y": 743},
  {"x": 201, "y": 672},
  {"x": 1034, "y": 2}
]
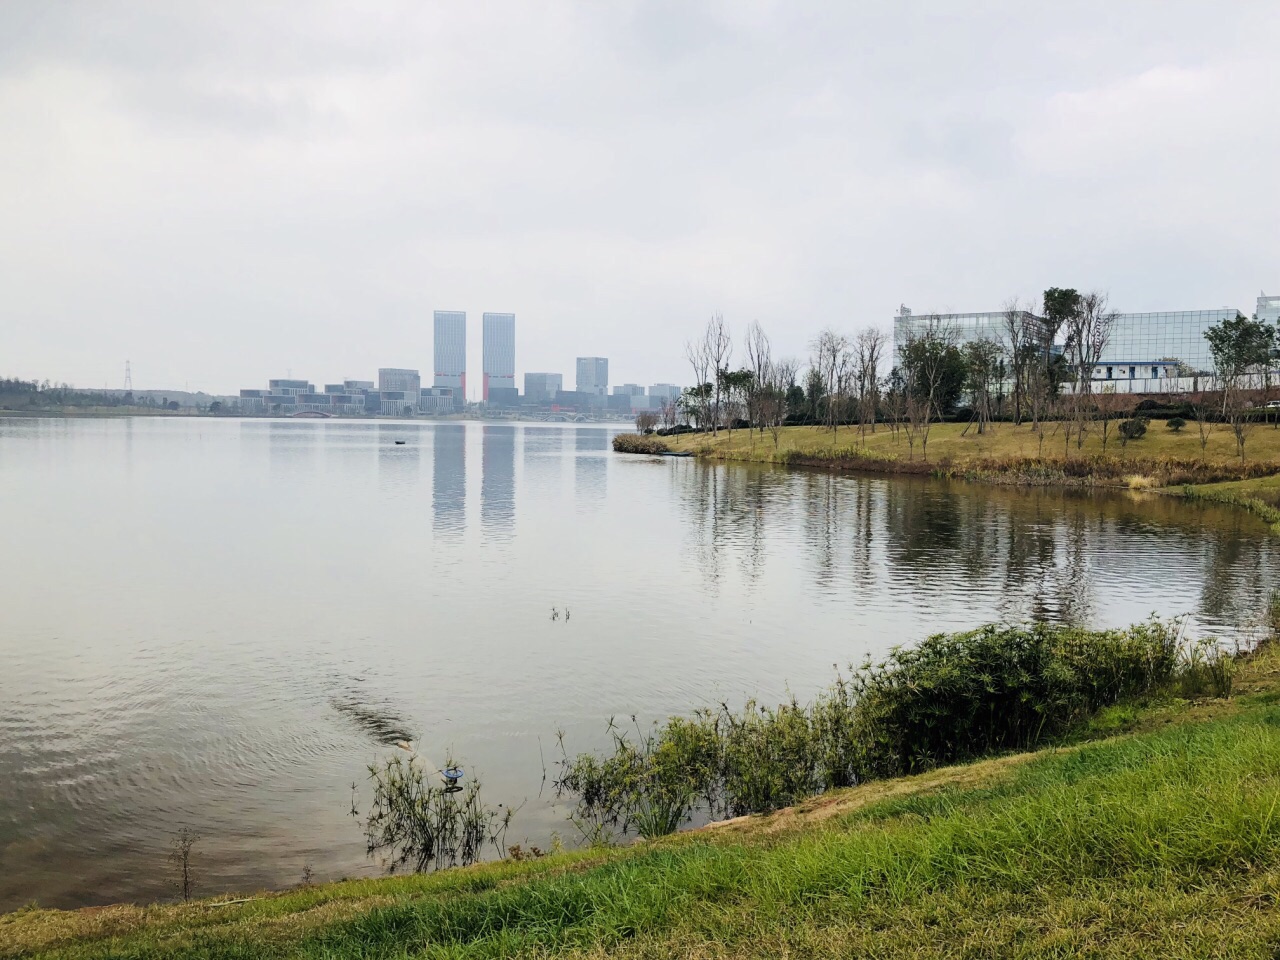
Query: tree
[
  {"x": 736, "y": 386},
  {"x": 719, "y": 348},
  {"x": 760, "y": 363},
  {"x": 1020, "y": 334},
  {"x": 696, "y": 402},
  {"x": 868, "y": 349},
  {"x": 646, "y": 420},
  {"x": 1088, "y": 328},
  {"x": 1202, "y": 410},
  {"x": 1059, "y": 304},
  {"x": 778, "y": 395},
  {"x": 932, "y": 371},
  {"x": 1241, "y": 348},
  {"x": 833, "y": 362},
  {"x": 984, "y": 367}
]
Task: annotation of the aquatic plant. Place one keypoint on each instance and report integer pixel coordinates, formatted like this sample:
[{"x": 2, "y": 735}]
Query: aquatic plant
[{"x": 419, "y": 824}]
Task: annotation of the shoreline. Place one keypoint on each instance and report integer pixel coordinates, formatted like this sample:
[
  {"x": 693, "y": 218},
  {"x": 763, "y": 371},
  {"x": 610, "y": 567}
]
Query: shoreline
[{"x": 1160, "y": 471}]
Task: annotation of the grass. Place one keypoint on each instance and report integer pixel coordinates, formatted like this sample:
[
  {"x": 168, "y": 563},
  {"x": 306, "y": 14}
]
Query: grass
[
  {"x": 1163, "y": 840},
  {"x": 1002, "y": 441}
]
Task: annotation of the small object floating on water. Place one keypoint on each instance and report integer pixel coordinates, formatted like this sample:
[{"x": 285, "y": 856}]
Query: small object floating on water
[
  {"x": 399, "y": 443},
  {"x": 555, "y": 614},
  {"x": 405, "y": 745},
  {"x": 451, "y": 777},
  {"x": 566, "y": 614}
]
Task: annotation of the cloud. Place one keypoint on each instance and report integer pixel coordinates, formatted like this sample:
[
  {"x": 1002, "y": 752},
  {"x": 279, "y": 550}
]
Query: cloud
[{"x": 220, "y": 191}]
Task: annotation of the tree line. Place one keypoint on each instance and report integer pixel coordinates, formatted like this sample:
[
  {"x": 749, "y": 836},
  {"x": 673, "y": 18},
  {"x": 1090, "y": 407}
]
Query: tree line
[{"x": 1037, "y": 363}]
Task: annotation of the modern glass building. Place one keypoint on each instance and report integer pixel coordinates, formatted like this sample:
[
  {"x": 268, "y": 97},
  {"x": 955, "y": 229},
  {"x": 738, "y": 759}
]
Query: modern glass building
[
  {"x": 1142, "y": 346},
  {"x": 1268, "y": 309},
  {"x": 499, "y": 352},
  {"x": 542, "y": 387},
  {"x": 1159, "y": 345},
  {"x": 593, "y": 376},
  {"x": 961, "y": 328},
  {"x": 451, "y": 352}
]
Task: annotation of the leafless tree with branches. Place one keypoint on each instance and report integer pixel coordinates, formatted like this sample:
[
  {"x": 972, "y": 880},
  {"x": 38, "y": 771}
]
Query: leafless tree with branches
[
  {"x": 1088, "y": 333},
  {"x": 868, "y": 351}
]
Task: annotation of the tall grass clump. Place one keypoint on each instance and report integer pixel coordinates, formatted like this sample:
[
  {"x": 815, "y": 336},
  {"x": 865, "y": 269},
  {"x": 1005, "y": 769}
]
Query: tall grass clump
[
  {"x": 953, "y": 697},
  {"x": 418, "y": 824},
  {"x": 639, "y": 443}
]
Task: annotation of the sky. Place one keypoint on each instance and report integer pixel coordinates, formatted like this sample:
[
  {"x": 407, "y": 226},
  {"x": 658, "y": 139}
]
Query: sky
[{"x": 225, "y": 192}]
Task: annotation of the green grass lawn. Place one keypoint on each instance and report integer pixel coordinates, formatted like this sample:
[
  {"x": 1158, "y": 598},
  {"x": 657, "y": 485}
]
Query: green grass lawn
[
  {"x": 949, "y": 441},
  {"x": 1162, "y": 841}
]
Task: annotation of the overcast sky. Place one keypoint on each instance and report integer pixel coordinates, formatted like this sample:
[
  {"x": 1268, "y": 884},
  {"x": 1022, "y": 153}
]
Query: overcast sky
[{"x": 224, "y": 192}]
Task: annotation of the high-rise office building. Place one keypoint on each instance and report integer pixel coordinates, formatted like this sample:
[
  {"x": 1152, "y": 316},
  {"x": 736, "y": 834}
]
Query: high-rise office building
[
  {"x": 395, "y": 378},
  {"x": 499, "y": 353},
  {"x": 542, "y": 387},
  {"x": 451, "y": 352},
  {"x": 593, "y": 376}
]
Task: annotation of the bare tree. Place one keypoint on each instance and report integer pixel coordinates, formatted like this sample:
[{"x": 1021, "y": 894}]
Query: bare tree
[
  {"x": 833, "y": 363},
  {"x": 719, "y": 348},
  {"x": 780, "y": 378},
  {"x": 760, "y": 363},
  {"x": 868, "y": 350},
  {"x": 1202, "y": 409},
  {"x": 1019, "y": 341},
  {"x": 1088, "y": 333},
  {"x": 670, "y": 412},
  {"x": 698, "y": 353},
  {"x": 646, "y": 420}
]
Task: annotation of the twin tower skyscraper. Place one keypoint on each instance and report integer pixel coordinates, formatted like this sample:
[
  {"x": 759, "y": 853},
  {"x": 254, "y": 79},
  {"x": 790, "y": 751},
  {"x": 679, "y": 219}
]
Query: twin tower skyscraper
[{"x": 498, "y": 359}]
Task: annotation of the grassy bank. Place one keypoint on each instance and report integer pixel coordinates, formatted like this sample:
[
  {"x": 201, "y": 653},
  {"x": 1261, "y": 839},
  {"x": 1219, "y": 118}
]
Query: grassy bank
[
  {"x": 950, "y": 447},
  {"x": 1162, "y": 839}
]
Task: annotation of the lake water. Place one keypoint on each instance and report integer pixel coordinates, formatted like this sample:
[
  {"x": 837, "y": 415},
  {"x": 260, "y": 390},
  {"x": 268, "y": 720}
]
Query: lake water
[{"x": 216, "y": 623}]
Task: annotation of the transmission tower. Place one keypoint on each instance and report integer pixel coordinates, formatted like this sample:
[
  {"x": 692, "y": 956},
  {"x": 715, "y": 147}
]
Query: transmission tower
[{"x": 128, "y": 377}]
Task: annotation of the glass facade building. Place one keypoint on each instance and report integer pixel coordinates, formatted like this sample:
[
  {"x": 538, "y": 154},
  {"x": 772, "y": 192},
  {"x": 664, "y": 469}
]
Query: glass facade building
[
  {"x": 499, "y": 352},
  {"x": 1171, "y": 344},
  {"x": 1268, "y": 309},
  {"x": 451, "y": 352},
  {"x": 962, "y": 328},
  {"x": 593, "y": 376}
]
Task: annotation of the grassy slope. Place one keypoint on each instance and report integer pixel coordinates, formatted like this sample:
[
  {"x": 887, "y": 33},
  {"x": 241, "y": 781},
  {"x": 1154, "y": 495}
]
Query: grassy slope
[
  {"x": 1001, "y": 441},
  {"x": 1164, "y": 841}
]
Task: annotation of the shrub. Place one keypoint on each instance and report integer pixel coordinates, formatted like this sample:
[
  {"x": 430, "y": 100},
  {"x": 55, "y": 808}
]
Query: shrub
[
  {"x": 1175, "y": 424},
  {"x": 1133, "y": 429},
  {"x": 953, "y": 697},
  {"x": 639, "y": 443}
]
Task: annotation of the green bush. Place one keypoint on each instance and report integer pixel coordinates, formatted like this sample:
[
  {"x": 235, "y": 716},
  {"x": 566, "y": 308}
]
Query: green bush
[
  {"x": 1175, "y": 423},
  {"x": 639, "y": 443},
  {"x": 953, "y": 697},
  {"x": 1134, "y": 429}
]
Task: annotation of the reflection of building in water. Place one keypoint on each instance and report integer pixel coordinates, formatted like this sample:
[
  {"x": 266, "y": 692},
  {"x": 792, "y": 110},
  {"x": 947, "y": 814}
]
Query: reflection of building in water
[
  {"x": 498, "y": 480},
  {"x": 590, "y": 472},
  {"x": 449, "y": 477}
]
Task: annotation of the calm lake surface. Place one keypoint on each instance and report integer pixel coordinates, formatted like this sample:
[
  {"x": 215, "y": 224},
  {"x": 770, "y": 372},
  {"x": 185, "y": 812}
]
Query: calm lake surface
[{"x": 217, "y": 623}]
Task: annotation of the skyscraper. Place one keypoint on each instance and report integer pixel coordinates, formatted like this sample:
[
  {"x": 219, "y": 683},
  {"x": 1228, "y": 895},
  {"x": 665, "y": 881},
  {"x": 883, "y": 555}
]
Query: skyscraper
[
  {"x": 593, "y": 375},
  {"x": 499, "y": 353},
  {"x": 451, "y": 352}
]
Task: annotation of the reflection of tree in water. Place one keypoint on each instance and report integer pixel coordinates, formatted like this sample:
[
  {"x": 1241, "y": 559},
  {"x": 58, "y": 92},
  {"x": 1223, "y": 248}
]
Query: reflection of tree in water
[
  {"x": 697, "y": 490},
  {"x": 1039, "y": 555},
  {"x": 1235, "y": 580}
]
